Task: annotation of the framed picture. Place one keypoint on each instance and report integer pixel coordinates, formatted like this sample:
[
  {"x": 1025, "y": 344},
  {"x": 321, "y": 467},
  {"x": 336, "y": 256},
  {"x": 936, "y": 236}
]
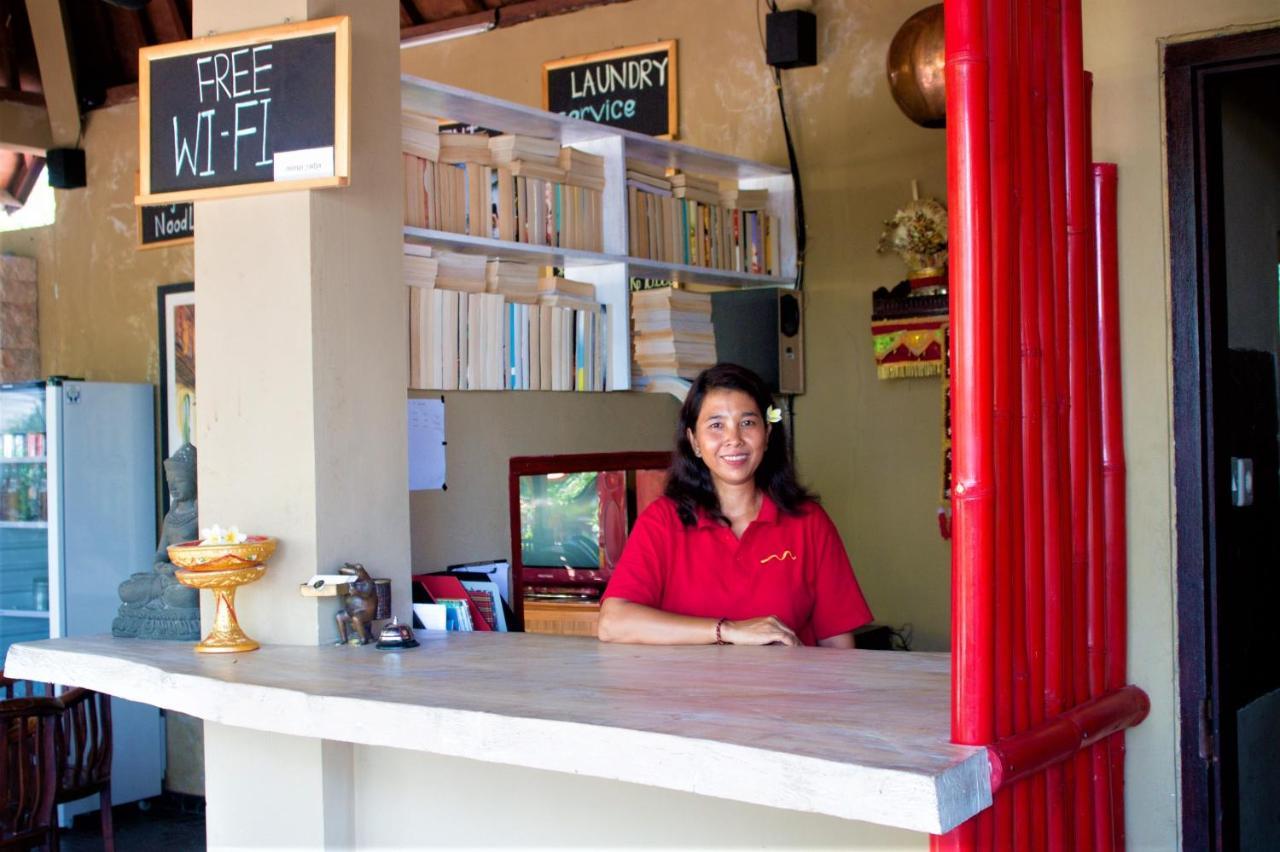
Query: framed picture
[{"x": 176, "y": 309}]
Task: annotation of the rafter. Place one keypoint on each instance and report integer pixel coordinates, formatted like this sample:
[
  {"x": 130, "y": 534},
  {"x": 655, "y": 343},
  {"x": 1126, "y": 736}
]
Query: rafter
[{"x": 49, "y": 32}]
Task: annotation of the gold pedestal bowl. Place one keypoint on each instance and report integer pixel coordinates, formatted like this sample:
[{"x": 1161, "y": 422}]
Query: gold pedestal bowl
[{"x": 223, "y": 568}]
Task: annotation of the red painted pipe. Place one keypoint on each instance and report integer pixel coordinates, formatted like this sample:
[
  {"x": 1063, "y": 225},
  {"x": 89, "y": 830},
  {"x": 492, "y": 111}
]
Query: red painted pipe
[
  {"x": 1113, "y": 462},
  {"x": 1004, "y": 341},
  {"x": 1059, "y": 739}
]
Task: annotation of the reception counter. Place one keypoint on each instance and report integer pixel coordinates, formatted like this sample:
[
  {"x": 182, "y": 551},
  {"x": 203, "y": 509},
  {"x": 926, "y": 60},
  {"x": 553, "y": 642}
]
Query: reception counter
[{"x": 854, "y": 735}]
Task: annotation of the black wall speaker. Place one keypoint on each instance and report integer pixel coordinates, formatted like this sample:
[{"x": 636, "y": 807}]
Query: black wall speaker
[
  {"x": 791, "y": 39},
  {"x": 66, "y": 167},
  {"x": 763, "y": 330}
]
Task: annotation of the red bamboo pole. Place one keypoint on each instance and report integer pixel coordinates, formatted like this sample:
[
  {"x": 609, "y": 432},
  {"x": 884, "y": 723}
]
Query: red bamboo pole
[
  {"x": 1011, "y": 517},
  {"x": 1075, "y": 204},
  {"x": 1056, "y": 687},
  {"x": 1064, "y": 736},
  {"x": 1103, "y": 821},
  {"x": 1031, "y": 268},
  {"x": 1113, "y": 464},
  {"x": 1004, "y": 319},
  {"x": 969, "y": 203}
]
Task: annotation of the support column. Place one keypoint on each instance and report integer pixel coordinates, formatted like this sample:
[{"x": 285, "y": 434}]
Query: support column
[{"x": 301, "y": 343}]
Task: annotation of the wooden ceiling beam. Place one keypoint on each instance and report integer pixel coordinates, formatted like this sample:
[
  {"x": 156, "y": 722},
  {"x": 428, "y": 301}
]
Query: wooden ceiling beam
[
  {"x": 166, "y": 21},
  {"x": 529, "y": 10},
  {"x": 53, "y": 52},
  {"x": 441, "y": 26},
  {"x": 128, "y": 37}
]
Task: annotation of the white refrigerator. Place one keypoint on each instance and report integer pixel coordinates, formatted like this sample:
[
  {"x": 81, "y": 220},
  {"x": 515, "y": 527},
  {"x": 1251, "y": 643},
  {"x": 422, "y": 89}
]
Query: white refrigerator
[{"x": 77, "y": 517}]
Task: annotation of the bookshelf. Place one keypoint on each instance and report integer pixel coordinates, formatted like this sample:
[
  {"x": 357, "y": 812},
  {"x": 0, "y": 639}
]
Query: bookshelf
[{"x": 611, "y": 269}]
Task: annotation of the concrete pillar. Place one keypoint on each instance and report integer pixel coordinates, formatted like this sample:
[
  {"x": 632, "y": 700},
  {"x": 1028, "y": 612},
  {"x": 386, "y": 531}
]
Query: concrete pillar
[{"x": 302, "y": 369}]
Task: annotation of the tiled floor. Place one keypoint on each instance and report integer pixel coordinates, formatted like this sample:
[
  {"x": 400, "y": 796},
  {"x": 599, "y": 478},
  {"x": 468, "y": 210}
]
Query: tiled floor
[{"x": 169, "y": 824}]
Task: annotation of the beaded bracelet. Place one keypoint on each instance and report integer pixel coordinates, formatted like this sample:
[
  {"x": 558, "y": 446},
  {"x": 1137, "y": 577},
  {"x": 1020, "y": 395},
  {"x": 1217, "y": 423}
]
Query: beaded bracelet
[{"x": 719, "y": 638}]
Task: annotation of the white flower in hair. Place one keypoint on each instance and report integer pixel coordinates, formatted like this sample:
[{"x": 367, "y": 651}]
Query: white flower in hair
[{"x": 773, "y": 415}]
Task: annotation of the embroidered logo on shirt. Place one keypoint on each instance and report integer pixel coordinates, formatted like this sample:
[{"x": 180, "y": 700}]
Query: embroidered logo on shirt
[{"x": 786, "y": 554}]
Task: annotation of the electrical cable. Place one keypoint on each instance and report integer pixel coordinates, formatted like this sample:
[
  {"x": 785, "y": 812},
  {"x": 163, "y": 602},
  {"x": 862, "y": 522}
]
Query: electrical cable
[{"x": 793, "y": 163}]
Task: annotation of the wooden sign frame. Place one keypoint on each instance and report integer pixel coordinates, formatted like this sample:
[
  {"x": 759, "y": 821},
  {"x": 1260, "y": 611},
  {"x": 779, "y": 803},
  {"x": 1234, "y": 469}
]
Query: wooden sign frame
[
  {"x": 141, "y": 246},
  {"x": 340, "y": 26},
  {"x": 673, "y": 90}
]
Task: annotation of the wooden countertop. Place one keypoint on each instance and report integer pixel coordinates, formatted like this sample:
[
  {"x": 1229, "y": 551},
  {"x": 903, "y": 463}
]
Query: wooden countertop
[{"x": 854, "y": 734}]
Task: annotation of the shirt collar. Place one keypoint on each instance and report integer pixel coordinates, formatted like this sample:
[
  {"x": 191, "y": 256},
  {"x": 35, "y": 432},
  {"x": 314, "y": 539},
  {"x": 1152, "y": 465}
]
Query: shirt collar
[{"x": 768, "y": 514}]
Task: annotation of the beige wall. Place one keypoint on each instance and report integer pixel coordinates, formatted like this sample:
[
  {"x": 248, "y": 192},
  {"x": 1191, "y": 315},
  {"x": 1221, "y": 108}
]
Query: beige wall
[
  {"x": 1122, "y": 48},
  {"x": 870, "y": 448},
  {"x": 97, "y": 290}
]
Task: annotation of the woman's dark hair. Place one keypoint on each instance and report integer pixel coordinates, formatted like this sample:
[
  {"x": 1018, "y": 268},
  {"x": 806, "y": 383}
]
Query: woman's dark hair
[{"x": 688, "y": 479}]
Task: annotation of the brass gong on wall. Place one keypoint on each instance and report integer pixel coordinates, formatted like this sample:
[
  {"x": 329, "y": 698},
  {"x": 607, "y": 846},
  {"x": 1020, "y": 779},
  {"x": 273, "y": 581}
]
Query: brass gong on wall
[{"x": 917, "y": 68}]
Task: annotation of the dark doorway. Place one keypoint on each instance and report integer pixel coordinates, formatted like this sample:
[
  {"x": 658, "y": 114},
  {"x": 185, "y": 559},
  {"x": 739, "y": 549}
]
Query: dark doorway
[{"x": 1224, "y": 182}]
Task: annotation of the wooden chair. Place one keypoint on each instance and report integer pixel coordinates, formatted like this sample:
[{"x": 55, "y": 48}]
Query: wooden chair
[
  {"x": 84, "y": 753},
  {"x": 28, "y": 776},
  {"x": 82, "y": 744}
]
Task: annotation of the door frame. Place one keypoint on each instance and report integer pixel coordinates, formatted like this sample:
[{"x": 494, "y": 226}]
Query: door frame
[{"x": 1193, "y": 253}]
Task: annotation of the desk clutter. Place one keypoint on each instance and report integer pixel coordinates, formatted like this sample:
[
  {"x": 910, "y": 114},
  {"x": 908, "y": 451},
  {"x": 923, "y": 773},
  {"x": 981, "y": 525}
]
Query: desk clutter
[{"x": 470, "y": 597}]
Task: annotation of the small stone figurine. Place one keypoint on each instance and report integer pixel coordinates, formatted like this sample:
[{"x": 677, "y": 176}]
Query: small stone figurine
[
  {"x": 359, "y": 607},
  {"x": 154, "y": 604}
]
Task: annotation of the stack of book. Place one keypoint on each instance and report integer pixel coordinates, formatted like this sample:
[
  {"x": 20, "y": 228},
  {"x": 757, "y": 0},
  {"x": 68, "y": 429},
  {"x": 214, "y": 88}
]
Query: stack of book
[
  {"x": 509, "y": 187},
  {"x": 517, "y": 282},
  {"x": 497, "y": 325},
  {"x": 672, "y": 335},
  {"x": 546, "y": 195},
  {"x": 420, "y": 150},
  {"x": 684, "y": 218}
]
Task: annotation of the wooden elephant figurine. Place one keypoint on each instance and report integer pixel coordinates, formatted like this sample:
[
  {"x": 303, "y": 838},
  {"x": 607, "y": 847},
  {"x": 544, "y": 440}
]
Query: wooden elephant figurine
[{"x": 359, "y": 605}]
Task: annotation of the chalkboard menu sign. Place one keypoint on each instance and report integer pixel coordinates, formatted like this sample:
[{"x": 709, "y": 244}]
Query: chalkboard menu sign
[
  {"x": 166, "y": 224},
  {"x": 255, "y": 111},
  {"x": 632, "y": 87}
]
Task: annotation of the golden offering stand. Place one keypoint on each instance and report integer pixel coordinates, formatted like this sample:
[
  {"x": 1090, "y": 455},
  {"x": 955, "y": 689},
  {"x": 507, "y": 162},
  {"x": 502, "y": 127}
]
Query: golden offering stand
[{"x": 223, "y": 568}]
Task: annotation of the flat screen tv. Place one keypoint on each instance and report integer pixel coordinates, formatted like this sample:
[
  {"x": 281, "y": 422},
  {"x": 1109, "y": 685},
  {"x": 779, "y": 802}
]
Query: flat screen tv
[{"x": 570, "y": 517}]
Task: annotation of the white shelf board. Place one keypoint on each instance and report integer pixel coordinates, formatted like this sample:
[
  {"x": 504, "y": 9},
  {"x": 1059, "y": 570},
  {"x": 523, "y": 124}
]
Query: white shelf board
[
  {"x": 24, "y": 525},
  {"x": 444, "y": 101},
  {"x": 491, "y": 248},
  {"x": 24, "y": 613},
  {"x": 645, "y": 268},
  {"x": 25, "y": 460}
]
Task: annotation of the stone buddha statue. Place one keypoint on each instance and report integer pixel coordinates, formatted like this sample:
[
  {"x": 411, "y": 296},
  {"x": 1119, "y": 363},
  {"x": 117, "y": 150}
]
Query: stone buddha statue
[{"x": 154, "y": 604}]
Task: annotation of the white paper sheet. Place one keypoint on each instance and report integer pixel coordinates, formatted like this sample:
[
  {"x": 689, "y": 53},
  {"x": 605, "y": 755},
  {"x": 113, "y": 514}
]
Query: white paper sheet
[{"x": 426, "y": 444}]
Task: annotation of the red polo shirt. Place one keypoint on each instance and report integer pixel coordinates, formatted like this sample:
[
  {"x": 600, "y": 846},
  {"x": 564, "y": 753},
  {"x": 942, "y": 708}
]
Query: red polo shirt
[{"x": 793, "y": 567}]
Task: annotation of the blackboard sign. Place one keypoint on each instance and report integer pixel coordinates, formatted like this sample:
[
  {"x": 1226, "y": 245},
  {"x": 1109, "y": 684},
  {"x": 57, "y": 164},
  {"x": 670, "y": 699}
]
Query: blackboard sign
[
  {"x": 166, "y": 224},
  {"x": 255, "y": 111},
  {"x": 632, "y": 87}
]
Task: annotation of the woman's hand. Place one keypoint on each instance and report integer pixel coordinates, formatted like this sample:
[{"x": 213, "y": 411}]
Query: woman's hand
[{"x": 768, "y": 630}]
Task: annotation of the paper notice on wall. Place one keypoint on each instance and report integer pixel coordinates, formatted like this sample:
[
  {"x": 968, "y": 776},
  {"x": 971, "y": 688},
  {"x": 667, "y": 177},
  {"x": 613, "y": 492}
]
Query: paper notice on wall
[{"x": 426, "y": 444}]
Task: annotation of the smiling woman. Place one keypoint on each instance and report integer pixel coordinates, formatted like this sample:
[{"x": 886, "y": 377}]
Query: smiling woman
[{"x": 737, "y": 551}]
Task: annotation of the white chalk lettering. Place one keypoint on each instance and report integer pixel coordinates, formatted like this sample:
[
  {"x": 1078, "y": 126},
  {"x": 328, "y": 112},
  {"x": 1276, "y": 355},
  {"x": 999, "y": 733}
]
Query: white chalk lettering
[
  {"x": 617, "y": 77},
  {"x": 202, "y": 63},
  {"x": 220, "y": 71},
  {"x": 186, "y": 151},
  {"x": 662, "y": 70},
  {"x": 237, "y": 72},
  {"x": 240, "y": 131},
  {"x": 264, "y": 160},
  {"x": 260, "y": 68}
]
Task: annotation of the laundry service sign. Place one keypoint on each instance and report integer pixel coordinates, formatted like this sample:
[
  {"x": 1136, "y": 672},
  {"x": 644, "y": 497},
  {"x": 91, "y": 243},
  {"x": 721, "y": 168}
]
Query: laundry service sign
[{"x": 632, "y": 87}]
